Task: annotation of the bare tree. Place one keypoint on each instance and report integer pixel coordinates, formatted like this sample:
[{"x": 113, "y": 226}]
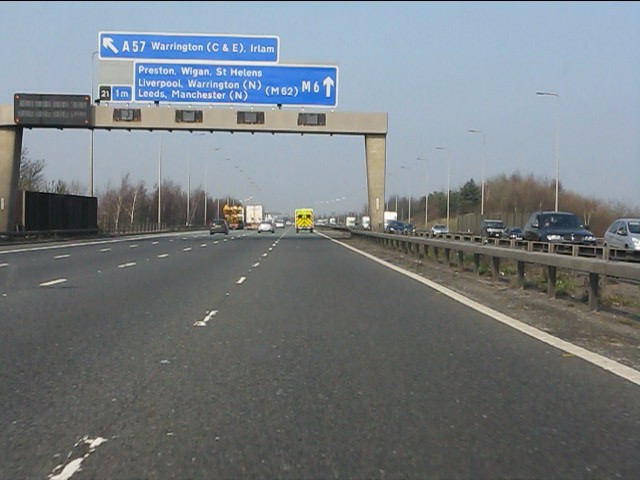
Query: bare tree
[{"x": 31, "y": 173}]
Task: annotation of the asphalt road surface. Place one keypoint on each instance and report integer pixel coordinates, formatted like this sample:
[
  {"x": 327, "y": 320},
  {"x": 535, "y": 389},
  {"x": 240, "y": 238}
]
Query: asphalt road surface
[{"x": 191, "y": 356}]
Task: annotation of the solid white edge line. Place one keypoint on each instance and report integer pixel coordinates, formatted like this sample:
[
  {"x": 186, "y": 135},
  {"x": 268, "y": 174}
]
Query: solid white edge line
[
  {"x": 605, "y": 363},
  {"x": 86, "y": 244}
]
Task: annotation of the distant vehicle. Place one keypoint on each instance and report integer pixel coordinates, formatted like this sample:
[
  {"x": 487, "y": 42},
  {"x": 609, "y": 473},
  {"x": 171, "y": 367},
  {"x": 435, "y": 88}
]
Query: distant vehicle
[
  {"x": 398, "y": 227},
  {"x": 266, "y": 226},
  {"x": 304, "y": 219},
  {"x": 350, "y": 222},
  {"x": 219, "y": 225},
  {"x": 253, "y": 215},
  {"x": 366, "y": 222},
  {"x": 492, "y": 228},
  {"x": 389, "y": 215},
  {"x": 409, "y": 229},
  {"x": 333, "y": 221},
  {"x": 439, "y": 229},
  {"x": 512, "y": 233},
  {"x": 557, "y": 227},
  {"x": 623, "y": 233},
  {"x": 234, "y": 215},
  {"x": 279, "y": 222}
]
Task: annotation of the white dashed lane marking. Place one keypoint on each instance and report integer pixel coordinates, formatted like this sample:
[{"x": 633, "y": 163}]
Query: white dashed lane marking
[
  {"x": 126, "y": 265},
  {"x": 163, "y": 255},
  {"x": 58, "y": 257},
  {"x": 241, "y": 280},
  {"x": 50, "y": 283},
  {"x": 205, "y": 320}
]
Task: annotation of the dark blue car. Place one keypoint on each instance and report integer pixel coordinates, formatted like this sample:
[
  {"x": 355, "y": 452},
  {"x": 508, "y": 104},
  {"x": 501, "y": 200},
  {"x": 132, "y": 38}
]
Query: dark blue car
[{"x": 396, "y": 226}]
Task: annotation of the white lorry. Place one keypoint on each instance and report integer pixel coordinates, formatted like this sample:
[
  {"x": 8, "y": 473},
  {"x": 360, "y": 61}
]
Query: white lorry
[
  {"x": 366, "y": 222},
  {"x": 253, "y": 216}
]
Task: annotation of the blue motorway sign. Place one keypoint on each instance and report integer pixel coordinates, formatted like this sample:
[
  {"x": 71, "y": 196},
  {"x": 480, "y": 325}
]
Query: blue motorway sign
[
  {"x": 296, "y": 85},
  {"x": 188, "y": 47}
]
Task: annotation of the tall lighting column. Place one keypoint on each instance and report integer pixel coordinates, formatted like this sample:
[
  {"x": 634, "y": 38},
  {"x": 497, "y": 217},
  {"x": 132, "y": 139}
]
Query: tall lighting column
[
  {"x": 404, "y": 167},
  {"x": 484, "y": 160},
  {"x": 206, "y": 176},
  {"x": 93, "y": 56},
  {"x": 557, "y": 140},
  {"x": 448, "y": 177},
  {"x": 426, "y": 195},
  {"x": 160, "y": 182}
]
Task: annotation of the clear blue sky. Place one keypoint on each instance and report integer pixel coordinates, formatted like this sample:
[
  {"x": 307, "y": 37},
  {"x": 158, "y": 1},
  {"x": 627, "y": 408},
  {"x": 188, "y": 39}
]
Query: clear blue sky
[{"x": 437, "y": 68}]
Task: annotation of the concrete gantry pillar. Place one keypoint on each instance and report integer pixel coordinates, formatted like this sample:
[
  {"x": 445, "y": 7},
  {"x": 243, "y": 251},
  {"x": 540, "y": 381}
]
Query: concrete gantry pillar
[
  {"x": 10, "y": 153},
  {"x": 376, "y": 152}
]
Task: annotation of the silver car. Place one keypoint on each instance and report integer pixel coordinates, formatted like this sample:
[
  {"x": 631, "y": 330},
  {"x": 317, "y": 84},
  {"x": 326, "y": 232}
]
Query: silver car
[
  {"x": 266, "y": 226},
  {"x": 623, "y": 233},
  {"x": 439, "y": 229}
]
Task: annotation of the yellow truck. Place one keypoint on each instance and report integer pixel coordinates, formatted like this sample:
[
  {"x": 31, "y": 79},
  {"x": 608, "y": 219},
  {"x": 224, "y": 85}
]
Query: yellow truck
[{"x": 304, "y": 219}]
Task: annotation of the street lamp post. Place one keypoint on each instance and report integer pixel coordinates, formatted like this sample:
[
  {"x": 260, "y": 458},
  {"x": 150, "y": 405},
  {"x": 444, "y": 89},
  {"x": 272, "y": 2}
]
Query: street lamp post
[
  {"x": 189, "y": 181},
  {"x": 219, "y": 175},
  {"x": 404, "y": 167},
  {"x": 160, "y": 181},
  {"x": 188, "y": 184},
  {"x": 484, "y": 160},
  {"x": 93, "y": 56},
  {"x": 557, "y": 140},
  {"x": 426, "y": 195},
  {"x": 206, "y": 177},
  {"x": 448, "y": 177}
]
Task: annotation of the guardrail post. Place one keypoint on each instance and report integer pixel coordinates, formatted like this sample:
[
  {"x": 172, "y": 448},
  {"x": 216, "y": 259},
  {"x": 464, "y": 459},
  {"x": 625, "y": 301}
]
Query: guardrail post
[
  {"x": 520, "y": 274},
  {"x": 593, "y": 291},
  {"x": 436, "y": 254},
  {"x": 447, "y": 255},
  {"x": 425, "y": 248},
  {"x": 495, "y": 267},
  {"x": 476, "y": 263},
  {"x": 461, "y": 260},
  {"x": 551, "y": 281}
]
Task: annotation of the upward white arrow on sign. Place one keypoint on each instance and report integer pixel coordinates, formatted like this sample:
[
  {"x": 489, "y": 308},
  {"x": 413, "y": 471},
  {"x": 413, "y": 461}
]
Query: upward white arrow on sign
[
  {"x": 328, "y": 83},
  {"x": 107, "y": 42}
]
